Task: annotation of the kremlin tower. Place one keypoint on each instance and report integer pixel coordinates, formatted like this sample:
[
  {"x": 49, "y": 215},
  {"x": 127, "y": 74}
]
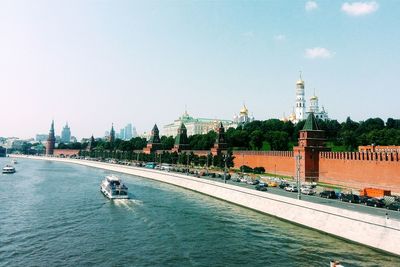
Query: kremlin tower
[
  {"x": 51, "y": 141},
  {"x": 300, "y": 101}
]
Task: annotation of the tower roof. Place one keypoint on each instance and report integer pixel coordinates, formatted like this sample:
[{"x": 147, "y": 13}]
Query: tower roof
[
  {"x": 311, "y": 123},
  {"x": 300, "y": 80}
]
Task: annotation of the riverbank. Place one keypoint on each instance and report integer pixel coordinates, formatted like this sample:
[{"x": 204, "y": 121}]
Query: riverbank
[{"x": 375, "y": 231}]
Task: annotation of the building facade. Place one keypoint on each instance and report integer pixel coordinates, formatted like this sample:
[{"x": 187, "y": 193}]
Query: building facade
[
  {"x": 194, "y": 125},
  {"x": 204, "y": 125},
  {"x": 66, "y": 134}
]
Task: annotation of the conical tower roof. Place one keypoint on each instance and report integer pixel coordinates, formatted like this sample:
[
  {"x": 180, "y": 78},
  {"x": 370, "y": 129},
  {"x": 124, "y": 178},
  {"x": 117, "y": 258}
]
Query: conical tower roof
[{"x": 311, "y": 123}]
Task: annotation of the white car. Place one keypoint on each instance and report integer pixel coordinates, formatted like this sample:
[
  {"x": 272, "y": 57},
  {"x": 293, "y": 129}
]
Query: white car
[
  {"x": 291, "y": 188},
  {"x": 307, "y": 191}
]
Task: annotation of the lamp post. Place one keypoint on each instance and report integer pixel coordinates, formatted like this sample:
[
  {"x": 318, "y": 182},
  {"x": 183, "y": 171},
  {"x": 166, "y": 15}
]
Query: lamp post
[
  {"x": 298, "y": 158},
  {"x": 225, "y": 156},
  {"x": 187, "y": 164},
  {"x": 208, "y": 154}
]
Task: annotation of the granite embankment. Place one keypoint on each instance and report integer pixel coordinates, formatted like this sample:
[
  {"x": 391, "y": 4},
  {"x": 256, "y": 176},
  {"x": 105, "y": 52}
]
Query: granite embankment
[{"x": 374, "y": 231}]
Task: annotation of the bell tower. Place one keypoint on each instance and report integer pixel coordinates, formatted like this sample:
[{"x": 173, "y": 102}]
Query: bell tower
[{"x": 300, "y": 100}]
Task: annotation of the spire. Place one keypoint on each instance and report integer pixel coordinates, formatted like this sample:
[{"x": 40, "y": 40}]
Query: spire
[
  {"x": 155, "y": 135},
  {"x": 311, "y": 123},
  {"x": 112, "y": 133}
]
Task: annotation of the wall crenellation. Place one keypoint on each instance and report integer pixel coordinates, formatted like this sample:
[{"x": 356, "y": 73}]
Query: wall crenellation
[{"x": 360, "y": 156}]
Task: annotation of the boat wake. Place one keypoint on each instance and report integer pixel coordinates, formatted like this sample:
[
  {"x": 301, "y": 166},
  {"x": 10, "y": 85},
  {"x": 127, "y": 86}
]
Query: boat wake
[{"x": 127, "y": 203}]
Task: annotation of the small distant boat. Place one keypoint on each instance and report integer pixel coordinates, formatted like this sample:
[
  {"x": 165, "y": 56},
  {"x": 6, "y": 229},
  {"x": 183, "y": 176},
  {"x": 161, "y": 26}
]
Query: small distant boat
[
  {"x": 113, "y": 188},
  {"x": 14, "y": 161},
  {"x": 8, "y": 169}
]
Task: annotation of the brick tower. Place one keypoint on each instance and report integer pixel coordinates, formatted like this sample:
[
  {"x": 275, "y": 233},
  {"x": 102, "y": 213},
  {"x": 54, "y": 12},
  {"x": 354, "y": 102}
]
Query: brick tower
[
  {"x": 181, "y": 140},
  {"x": 154, "y": 142},
  {"x": 311, "y": 142},
  {"x": 51, "y": 141},
  {"x": 220, "y": 143}
]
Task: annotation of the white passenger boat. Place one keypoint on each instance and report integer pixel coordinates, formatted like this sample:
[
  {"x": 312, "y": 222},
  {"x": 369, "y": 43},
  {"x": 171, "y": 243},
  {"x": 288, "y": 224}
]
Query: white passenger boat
[
  {"x": 8, "y": 169},
  {"x": 113, "y": 188},
  {"x": 14, "y": 161}
]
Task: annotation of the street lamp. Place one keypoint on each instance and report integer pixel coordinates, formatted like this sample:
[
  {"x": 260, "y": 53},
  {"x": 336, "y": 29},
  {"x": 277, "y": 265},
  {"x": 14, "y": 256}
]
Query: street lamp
[
  {"x": 187, "y": 164},
  {"x": 208, "y": 154},
  {"x": 298, "y": 158},
  {"x": 225, "y": 157}
]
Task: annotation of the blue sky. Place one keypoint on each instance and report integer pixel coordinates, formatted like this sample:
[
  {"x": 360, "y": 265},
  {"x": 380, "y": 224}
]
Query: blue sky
[{"x": 92, "y": 63}]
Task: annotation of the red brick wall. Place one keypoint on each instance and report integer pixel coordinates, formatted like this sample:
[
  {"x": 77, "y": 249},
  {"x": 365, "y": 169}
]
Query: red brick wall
[
  {"x": 66, "y": 152},
  {"x": 359, "y": 170},
  {"x": 281, "y": 161}
]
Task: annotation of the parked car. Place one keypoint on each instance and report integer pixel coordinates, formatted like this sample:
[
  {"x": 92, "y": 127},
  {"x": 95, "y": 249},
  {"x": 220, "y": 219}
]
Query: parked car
[
  {"x": 291, "y": 188},
  {"x": 375, "y": 202},
  {"x": 282, "y": 185},
  {"x": 349, "y": 198},
  {"x": 307, "y": 191},
  {"x": 394, "y": 206},
  {"x": 363, "y": 199},
  {"x": 261, "y": 187},
  {"x": 150, "y": 165},
  {"x": 328, "y": 194},
  {"x": 272, "y": 184},
  {"x": 253, "y": 182}
]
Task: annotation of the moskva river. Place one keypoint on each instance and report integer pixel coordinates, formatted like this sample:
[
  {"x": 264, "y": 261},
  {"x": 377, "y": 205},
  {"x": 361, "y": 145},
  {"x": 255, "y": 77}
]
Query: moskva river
[{"x": 53, "y": 214}]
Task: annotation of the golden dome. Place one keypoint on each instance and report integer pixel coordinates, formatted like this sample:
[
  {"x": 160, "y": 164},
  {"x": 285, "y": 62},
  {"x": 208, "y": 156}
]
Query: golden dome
[
  {"x": 300, "y": 82},
  {"x": 244, "y": 110},
  {"x": 314, "y": 97}
]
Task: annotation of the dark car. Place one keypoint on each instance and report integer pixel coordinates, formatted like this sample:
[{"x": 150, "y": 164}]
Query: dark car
[
  {"x": 328, "y": 194},
  {"x": 349, "y": 198},
  {"x": 261, "y": 188},
  {"x": 282, "y": 185},
  {"x": 394, "y": 206},
  {"x": 363, "y": 199},
  {"x": 375, "y": 202}
]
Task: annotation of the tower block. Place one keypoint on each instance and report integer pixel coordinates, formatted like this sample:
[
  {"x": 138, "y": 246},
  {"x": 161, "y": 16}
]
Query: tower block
[
  {"x": 181, "y": 140},
  {"x": 311, "y": 142},
  {"x": 220, "y": 143},
  {"x": 51, "y": 141},
  {"x": 154, "y": 142}
]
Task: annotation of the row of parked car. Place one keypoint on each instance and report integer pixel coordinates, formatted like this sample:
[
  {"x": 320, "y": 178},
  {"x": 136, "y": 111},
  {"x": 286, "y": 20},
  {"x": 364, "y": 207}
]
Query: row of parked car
[
  {"x": 306, "y": 189},
  {"x": 368, "y": 201}
]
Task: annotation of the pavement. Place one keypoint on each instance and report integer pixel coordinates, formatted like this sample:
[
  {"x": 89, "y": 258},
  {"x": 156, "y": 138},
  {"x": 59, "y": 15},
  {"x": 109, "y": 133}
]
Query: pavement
[{"x": 316, "y": 199}]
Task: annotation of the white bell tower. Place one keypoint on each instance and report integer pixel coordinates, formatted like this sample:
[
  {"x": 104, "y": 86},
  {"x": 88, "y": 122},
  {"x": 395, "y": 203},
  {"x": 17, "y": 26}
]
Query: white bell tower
[{"x": 300, "y": 100}]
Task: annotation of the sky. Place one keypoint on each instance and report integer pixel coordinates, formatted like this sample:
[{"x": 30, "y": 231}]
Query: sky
[{"x": 94, "y": 63}]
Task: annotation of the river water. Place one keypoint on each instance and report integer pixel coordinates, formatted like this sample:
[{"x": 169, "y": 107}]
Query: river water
[{"x": 53, "y": 214}]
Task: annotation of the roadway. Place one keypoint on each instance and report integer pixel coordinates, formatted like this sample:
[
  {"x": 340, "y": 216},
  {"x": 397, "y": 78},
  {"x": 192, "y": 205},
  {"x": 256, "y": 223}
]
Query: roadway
[{"x": 316, "y": 199}]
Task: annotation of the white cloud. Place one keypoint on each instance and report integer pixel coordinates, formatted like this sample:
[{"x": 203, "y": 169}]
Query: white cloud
[
  {"x": 318, "y": 52},
  {"x": 360, "y": 8},
  {"x": 311, "y": 5},
  {"x": 280, "y": 37}
]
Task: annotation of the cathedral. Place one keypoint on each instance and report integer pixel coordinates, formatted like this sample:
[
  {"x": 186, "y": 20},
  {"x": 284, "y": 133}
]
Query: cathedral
[{"x": 300, "y": 112}]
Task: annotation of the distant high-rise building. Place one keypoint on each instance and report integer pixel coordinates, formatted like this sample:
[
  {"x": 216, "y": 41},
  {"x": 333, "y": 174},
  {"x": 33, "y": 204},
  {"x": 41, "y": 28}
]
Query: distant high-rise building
[
  {"x": 66, "y": 134},
  {"x": 51, "y": 141},
  {"x": 134, "y": 132},
  {"x": 128, "y": 132},
  {"x": 122, "y": 134}
]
